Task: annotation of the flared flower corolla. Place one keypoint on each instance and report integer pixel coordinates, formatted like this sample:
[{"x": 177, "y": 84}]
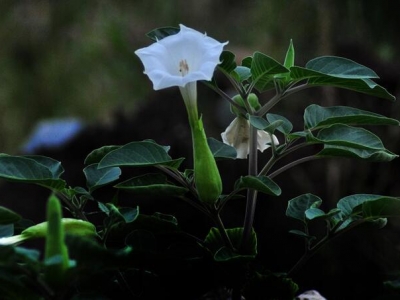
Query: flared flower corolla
[
  {"x": 237, "y": 135},
  {"x": 178, "y": 59}
]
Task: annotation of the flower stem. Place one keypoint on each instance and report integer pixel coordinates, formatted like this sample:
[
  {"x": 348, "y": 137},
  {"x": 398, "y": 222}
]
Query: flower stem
[{"x": 251, "y": 193}]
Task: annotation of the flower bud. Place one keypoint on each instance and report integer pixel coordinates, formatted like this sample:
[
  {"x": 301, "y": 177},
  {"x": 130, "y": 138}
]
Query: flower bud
[
  {"x": 206, "y": 174},
  {"x": 56, "y": 252},
  {"x": 252, "y": 100}
]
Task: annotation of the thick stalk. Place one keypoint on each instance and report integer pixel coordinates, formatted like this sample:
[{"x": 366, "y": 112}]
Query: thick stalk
[{"x": 251, "y": 193}]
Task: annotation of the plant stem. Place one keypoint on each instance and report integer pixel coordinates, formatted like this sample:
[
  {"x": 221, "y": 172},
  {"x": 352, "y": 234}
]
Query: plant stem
[
  {"x": 220, "y": 225},
  {"x": 292, "y": 164},
  {"x": 311, "y": 252},
  {"x": 251, "y": 193}
]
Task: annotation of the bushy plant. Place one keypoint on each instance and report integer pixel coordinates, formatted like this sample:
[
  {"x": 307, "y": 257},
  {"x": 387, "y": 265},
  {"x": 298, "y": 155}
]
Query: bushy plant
[{"x": 130, "y": 254}]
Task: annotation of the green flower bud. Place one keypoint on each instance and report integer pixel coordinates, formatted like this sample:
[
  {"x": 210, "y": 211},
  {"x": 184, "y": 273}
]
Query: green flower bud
[
  {"x": 252, "y": 100},
  {"x": 56, "y": 252},
  {"x": 206, "y": 175}
]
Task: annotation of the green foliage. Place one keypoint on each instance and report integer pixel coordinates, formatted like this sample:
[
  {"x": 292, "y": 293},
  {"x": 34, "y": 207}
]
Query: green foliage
[
  {"x": 43, "y": 171},
  {"x": 7, "y": 216},
  {"x": 351, "y": 211},
  {"x": 126, "y": 242}
]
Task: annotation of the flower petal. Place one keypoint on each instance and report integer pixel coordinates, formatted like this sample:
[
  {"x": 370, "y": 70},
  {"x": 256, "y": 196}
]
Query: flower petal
[
  {"x": 162, "y": 60},
  {"x": 237, "y": 135}
]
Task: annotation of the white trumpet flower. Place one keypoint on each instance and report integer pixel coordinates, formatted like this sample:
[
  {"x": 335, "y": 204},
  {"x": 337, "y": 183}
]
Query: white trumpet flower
[{"x": 237, "y": 135}]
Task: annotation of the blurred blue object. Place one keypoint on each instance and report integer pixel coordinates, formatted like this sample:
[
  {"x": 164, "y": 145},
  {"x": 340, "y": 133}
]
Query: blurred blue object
[{"x": 52, "y": 134}]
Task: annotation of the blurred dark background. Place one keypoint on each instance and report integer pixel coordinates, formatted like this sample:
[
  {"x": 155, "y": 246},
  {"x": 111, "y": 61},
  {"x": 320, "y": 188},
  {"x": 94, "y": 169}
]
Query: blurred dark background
[{"x": 74, "y": 59}]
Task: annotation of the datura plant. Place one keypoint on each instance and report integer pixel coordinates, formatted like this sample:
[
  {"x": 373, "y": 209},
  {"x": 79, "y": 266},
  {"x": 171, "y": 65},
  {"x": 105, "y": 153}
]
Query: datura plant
[{"x": 133, "y": 255}]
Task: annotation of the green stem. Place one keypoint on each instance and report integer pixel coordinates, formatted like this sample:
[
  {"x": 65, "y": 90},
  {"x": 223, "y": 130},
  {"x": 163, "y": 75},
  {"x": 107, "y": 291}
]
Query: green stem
[{"x": 220, "y": 225}]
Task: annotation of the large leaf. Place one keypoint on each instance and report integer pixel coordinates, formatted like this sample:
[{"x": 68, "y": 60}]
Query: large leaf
[
  {"x": 316, "y": 116},
  {"x": 260, "y": 183},
  {"x": 383, "y": 207},
  {"x": 97, "y": 155},
  {"x": 40, "y": 170},
  {"x": 346, "y": 141},
  {"x": 348, "y": 136},
  {"x": 53, "y": 165},
  {"x": 263, "y": 69},
  {"x": 221, "y": 150},
  {"x": 145, "y": 153},
  {"x": 151, "y": 184},
  {"x": 340, "y": 67},
  {"x": 363, "y": 85},
  {"x": 96, "y": 177},
  {"x": 350, "y": 205},
  {"x": 366, "y": 207},
  {"x": 297, "y": 207},
  {"x": 373, "y": 155}
]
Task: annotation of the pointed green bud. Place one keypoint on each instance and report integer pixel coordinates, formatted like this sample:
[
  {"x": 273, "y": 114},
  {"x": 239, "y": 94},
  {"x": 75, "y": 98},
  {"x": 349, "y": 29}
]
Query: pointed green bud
[
  {"x": 56, "y": 252},
  {"x": 252, "y": 100},
  {"x": 206, "y": 174}
]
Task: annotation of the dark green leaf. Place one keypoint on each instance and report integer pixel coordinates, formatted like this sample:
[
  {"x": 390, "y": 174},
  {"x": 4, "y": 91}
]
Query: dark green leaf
[
  {"x": 53, "y": 165},
  {"x": 225, "y": 254},
  {"x": 258, "y": 122},
  {"x": 262, "y": 124},
  {"x": 347, "y": 205},
  {"x": 314, "y": 213},
  {"x": 228, "y": 63},
  {"x": 129, "y": 214},
  {"x": 215, "y": 244},
  {"x": 347, "y": 136},
  {"x": 97, "y": 155},
  {"x": 96, "y": 178},
  {"x": 151, "y": 184},
  {"x": 165, "y": 218},
  {"x": 118, "y": 217},
  {"x": 285, "y": 127},
  {"x": 316, "y": 116},
  {"x": 372, "y": 155},
  {"x": 263, "y": 69},
  {"x": 246, "y": 62},
  {"x": 340, "y": 67},
  {"x": 298, "y": 206},
  {"x": 383, "y": 207},
  {"x": 145, "y": 153},
  {"x": 221, "y": 150},
  {"x": 162, "y": 32},
  {"x": 7, "y": 216},
  {"x": 260, "y": 183},
  {"x": 23, "y": 169},
  {"x": 366, "y": 86}
]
